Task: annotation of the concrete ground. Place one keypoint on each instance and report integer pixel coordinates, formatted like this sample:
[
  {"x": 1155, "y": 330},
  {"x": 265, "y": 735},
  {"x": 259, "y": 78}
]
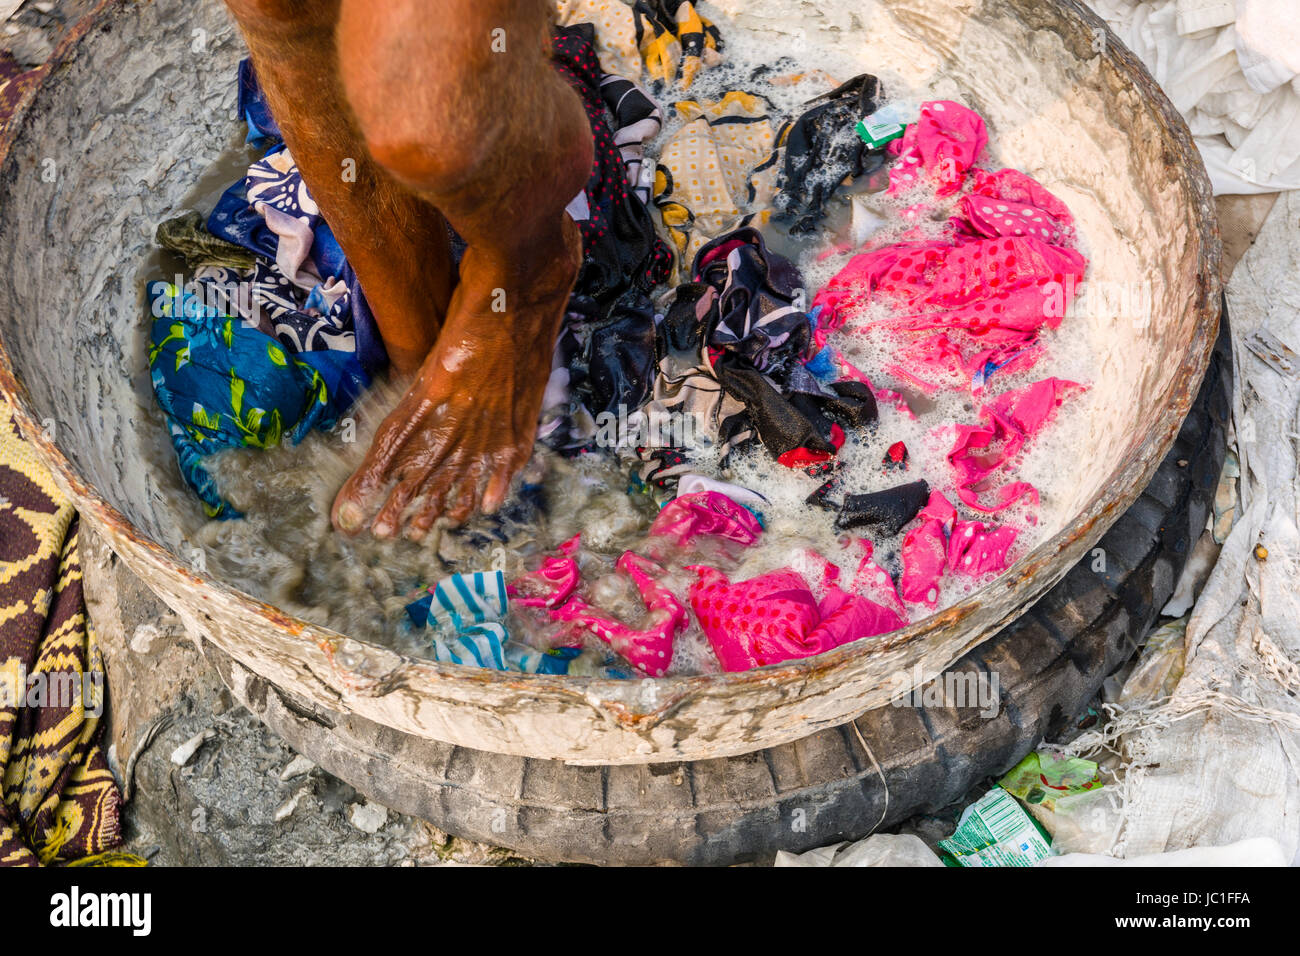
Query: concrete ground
[{"x": 205, "y": 782}]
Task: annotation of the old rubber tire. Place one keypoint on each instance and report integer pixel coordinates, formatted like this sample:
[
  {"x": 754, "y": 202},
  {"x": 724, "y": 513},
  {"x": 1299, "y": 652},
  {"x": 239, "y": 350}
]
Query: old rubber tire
[{"x": 826, "y": 787}]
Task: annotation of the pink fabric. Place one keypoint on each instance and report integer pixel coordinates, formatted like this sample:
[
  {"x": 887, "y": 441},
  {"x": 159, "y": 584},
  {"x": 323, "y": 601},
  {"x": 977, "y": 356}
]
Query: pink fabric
[
  {"x": 990, "y": 289},
  {"x": 849, "y": 617},
  {"x": 973, "y": 302},
  {"x": 553, "y": 587},
  {"x": 775, "y": 617},
  {"x": 941, "y": 544},
  {"x": 720, "y": 252},
  {"x": 870, "y": 581},
  {"x": 1029, "y": 409},
  {"x": 552, "y": 583},
  {"x": 1002, "y": 499},
  {"x": 889, "y": 397},
  {"x": 939, "y": 509},
  {"x": 1010, "y": 420},
  {"x": 936, "y": 363},
  {"x": 976, "y": 549},
  {"x": 1010, "y": 203},
  {"x": 939, "y": 147},
  {"x": 828, "y": 322},
  {"x": 548, "y": 586},
  {"x": 706, "y": 513},
  {"x": 649, "y": 650},
  {"x": 873, "y": 582},
  {"x": 816, "y": 568},
  {"x": 924, "y": 557},
  {"x": 1005, "y": 359}
]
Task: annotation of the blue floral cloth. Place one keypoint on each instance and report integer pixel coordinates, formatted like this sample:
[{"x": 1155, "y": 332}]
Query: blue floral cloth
[
  {"x": 224, "y": 384},
  {"x": 251, "y": 358}
]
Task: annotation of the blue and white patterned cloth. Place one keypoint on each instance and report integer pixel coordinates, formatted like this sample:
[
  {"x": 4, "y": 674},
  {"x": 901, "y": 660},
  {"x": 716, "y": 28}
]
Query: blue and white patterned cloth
[
  {"x": 249, "y": 357},
  {"x": 466, "y": 611},
  {"x": 306, "y": 292},
  {"x": 462, "y": 600}
]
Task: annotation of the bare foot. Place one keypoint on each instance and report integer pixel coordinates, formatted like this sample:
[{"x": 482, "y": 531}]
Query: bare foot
[{"x": 468, "y": 422}]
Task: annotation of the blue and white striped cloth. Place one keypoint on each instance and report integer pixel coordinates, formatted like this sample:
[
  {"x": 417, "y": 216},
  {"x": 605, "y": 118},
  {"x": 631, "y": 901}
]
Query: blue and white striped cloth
[
  {"x": 462, "y": 600},
  {"x": 466, "y": 611}
]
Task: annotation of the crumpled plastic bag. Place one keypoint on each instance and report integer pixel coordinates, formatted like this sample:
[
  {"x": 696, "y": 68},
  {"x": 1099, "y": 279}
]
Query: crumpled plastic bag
[{"x": 879, "y": 849}]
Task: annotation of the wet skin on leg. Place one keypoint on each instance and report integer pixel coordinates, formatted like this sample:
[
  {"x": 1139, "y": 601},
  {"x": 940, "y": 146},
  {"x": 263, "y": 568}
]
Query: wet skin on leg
[
  {"x": 461, "y": 115},
  {"x": 472, "y": 117},
  {"x": 395, "y": 240}
]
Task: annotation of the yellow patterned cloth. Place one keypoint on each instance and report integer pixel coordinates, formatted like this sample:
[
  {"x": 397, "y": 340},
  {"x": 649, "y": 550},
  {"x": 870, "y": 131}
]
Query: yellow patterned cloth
[
  {"x": 59, "y": 803},
  {"x": 675, "y": 41},
  {"x": 668, "y": 38},
  {"x": 717, "y": 172}
]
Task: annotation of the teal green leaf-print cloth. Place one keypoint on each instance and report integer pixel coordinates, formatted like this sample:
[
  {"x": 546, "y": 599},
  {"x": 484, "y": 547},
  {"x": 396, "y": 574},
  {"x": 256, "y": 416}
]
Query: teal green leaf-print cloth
[{"x": 223, "y": 383}]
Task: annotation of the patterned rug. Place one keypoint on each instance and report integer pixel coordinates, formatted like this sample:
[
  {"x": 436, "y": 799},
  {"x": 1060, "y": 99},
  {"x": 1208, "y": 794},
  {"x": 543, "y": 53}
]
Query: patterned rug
[
  {"x": 14, "y": 82},
  {"x": 59, "y": 803}
]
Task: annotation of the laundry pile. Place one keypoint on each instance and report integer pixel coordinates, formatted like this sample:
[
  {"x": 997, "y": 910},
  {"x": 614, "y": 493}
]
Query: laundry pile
[
  {"x": 685, "y": 315},
  {"x": 972, "y": 302}
]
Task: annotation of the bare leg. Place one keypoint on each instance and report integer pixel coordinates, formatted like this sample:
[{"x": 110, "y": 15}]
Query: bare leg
[
  {"x": 498, "y": 141},
  {"x": 396, "y": 241}
]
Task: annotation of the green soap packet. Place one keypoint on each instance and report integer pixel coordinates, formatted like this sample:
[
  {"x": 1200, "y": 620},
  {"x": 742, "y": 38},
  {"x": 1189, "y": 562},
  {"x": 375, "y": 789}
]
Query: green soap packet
[
  {"x": 1045, "y": 778},
  {"x": 877, "y": 135},
  {"x": 996, "y": 831}
]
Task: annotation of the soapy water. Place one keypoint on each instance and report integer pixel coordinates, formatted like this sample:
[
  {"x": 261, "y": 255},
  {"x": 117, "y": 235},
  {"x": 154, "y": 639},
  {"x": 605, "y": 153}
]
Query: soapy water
[{"x": 285, "y": 552}]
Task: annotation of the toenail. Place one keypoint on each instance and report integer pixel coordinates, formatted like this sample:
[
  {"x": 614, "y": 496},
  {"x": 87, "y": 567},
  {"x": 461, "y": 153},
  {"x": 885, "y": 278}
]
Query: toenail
[{"x": 349, "y": 517}]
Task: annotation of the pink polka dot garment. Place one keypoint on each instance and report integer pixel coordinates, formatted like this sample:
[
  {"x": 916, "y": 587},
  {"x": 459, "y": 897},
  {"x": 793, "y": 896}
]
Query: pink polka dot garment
[
  {"x": 776, "y": 617},
  {"x": 972, "y": 303}
]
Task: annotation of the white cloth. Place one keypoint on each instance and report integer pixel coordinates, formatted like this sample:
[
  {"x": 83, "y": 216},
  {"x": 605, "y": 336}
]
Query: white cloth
[
  {"x": 1268, "y": 42},
  {"x": 1257, "y": 852},
  {"x": 690, "y": 484},
  {"x": 1233, "y": 70}
]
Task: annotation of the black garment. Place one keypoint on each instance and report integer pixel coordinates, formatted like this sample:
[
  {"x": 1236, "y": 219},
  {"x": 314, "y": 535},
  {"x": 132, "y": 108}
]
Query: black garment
[
  {"x": 614, "y": 363},
  {"x": 850, "y": 403},
  {"x": 611, "y": 318},
  {"x": 685, "y": 323},
  {"x": 822, "y": 149},
  {"x": 759, "y": 311},
  {"x": 781, "y": 427},
  {"x": 883, "y": 513},
  {"x": 742, "y": 327},
  {"x": 789, "y": 422}
]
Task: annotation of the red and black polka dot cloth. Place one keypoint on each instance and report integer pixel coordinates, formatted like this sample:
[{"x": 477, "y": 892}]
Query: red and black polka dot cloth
[{"x": 621, "y": 251}]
